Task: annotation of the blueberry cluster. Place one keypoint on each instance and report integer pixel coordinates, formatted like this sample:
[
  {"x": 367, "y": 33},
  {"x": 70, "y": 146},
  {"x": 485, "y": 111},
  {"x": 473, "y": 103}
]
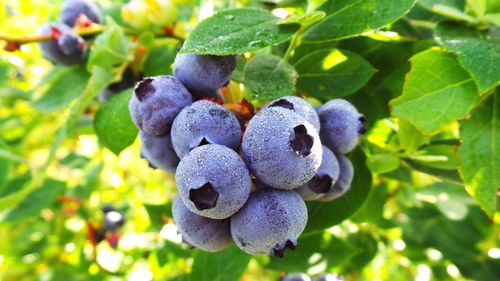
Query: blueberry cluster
[
  {"x": 241, "y": 181},
  {"x": 68, "y": 48}
]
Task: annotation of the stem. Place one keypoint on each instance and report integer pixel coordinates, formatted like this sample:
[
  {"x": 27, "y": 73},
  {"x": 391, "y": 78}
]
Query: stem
[{"x": 293, "y": 44}]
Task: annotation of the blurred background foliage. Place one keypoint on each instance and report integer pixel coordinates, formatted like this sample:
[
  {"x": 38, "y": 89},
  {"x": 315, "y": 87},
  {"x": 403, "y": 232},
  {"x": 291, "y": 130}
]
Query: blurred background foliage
[{"x": 417, "y": 223}]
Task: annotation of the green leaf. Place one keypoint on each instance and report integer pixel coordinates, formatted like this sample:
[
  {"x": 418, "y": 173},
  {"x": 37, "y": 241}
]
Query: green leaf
[
  {"x": 227, "y": 265},
  {"x": 67, "y": 85},
  {"x": 325, "y": 215},
  {"x": 373, "y": 210},
  {"x": 113, "y": 124},
  {"x": 451, "y": 199},
  {"x": 332, "y": 252},
  {"x": 110, "y": 49},
  {"x": 409, "y": 138},
  {"x": 37, "y": 200},
  {"x": 449, "y": 175},
  {"x": 235, "y": 31},
  {"x": 157, "y": 214},
  {"x": 269, "y": 77},
  {"x": 478, "y": 52},
  {"x": 437, "y": 91},
  {"x": 382, "y": 163},
  {"x": 439, "y": 156},
  {"x": 160, "y": 59},
  {"x": 348, "y": 18},
  {"x": 100, "y": 78},
  {"x": 480, "y": 154},
  {"x": 4, "y": 171},
  {"x": 332, "y": 73}
]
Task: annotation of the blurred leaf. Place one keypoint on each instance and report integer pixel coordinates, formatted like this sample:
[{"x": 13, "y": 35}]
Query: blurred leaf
[
  {"x": 373, "y": 210},
  {"x": 74, "y": 161},
  {"x": 409, "y": 138},
  {"x": 367, "y": 245},
  {"x": 157, "y": 213},
  {"x": 37, "y": 200},
  {"x": 160, "y": 59},
  {"x": 67, "y": 85},
  {"x": 382, "y": 163},
  {"x": 478, "y": 52},
  {"x": 439, "y": 156},
  {"x": 110, "y": 49},
  {"x": 269, "y": 77},
  {"x": 429, "y": 4},
  {"x": 450, "y": 175},
  {"x": 345, "y": 18},
  {"x": 327, "y": 214},
  {"x": 100, "y": 78},
  {"x": 451, "y": 199},
  {"x": 480, "y": 154},
  {"x": 235, "y": 31},
  {"x": 113, "y": 124},
  {"x": 227, "y": 265},
  {"x": 332, "y": 73},
  {"x": 437, "y": 91},
  {"x": 313, "y": 250}
]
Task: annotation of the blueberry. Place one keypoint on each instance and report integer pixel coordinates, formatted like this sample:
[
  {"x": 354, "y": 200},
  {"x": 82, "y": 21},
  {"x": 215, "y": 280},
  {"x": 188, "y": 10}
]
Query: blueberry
[
  {"x": 67, "y": 49},
  {"x": 324, "y": 179},
  {"x": 343, "y": 183},
  {"x": 107, "y": 208},
  {"x": 296, "y": 277},
  {"x": 341, "y": 125},
  {"x": 159, "y": 152},
  {"x": 270, "y": 222},
  {"x": 156, "y": 102},
  {"x": 299, "y": 106},
  {"x": 204, "y": 122},
  {"x": 213, "y": 181},
  {"x": 281, "y": 148},
  {"x": 203, "y": 233},
  {"x": 113, "y": 220},
  {"x": 203, "y": 75},
  {"x": 72, "y": 9}
]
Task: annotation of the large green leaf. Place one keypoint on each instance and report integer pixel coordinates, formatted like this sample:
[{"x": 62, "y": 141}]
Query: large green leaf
[
  {"x": 480, "y": 154},
  {"x": 40, "y": 198},
  {"x": 429, "y": 4},
  {"x": 227, "y": 265},
  {"x": 325, "y": 215},
  {"x": 332, "y": 73},
  {"x": 332, "y": 252},
  {"x": 437, "y": 91},
  {"x": 347, "y": 18},
  {"x": 67, "y": 85},
  {"x": 113, "y": 124},
  {"x": 269, "y": 77},
  {"x": 235, "y": 31},
  {"x": 478, "y": 52}
]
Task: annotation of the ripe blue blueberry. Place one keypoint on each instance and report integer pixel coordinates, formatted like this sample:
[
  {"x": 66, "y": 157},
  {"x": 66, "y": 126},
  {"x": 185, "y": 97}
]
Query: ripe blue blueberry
[
  {"x": 324, "y": 179},
  {"x": 204, "y": 122},
  {"x": 343, "y": 183},
  {"x": 72, "y": 9},
  {"x": 203, "y": 75},
  {"x": 113, "y": 220},
  {"x": 67, "y": 48},
  {"x": 213, "y": 181},
  {"x": 270, "y": 222},
  {"x": 203, "y": 233},
  {"x": 156, "y": 102},
  {"x": 296, "y": 277},
  {"x": 281, "y": 148},
  {"x": 299, "y": 106},
  {"x": 159, "y": 152},
  {"x": 341, "y": 125}
]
